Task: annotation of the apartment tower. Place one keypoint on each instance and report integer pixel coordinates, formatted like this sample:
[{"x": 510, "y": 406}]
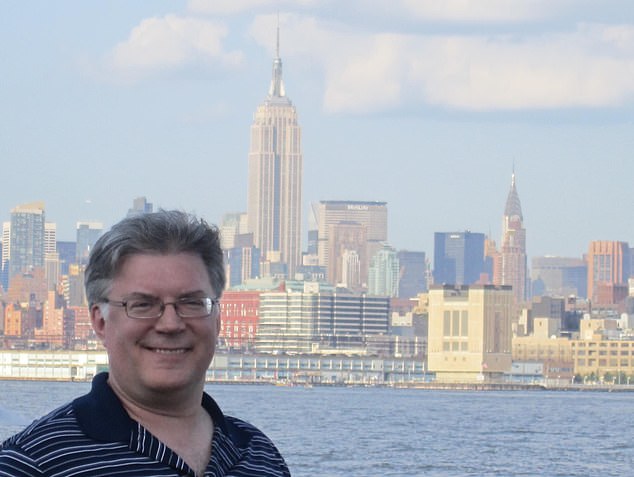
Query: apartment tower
[
  {"x": 274, "y": 199},
  {"x": 28, "y": 238}
]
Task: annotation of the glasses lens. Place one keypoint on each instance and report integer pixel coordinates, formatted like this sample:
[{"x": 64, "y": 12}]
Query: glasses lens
[
  {"x": 194, "y": 307},
  {"x": 143, "y": 308}
]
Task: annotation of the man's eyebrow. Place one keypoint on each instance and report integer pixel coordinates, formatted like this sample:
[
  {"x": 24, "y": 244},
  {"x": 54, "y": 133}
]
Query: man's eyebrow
[
  {"x": 146, "y": 296},
  {"x": 193, "y": 294}
]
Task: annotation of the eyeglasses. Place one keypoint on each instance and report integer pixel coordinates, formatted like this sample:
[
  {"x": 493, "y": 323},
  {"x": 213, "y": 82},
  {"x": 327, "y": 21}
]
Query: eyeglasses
[{"x": 151, "y": 308}]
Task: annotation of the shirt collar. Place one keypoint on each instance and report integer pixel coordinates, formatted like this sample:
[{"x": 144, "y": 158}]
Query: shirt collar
[{"x": 102, "y": 417}]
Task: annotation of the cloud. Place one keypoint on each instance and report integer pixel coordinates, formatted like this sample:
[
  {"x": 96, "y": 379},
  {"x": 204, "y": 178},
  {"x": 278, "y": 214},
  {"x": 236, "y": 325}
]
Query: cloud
[
  {"x": 589, "y": 66},
  {"x": 226, "y": 7},
  {"x": 554, "y": 71},
  {"x": 172, "y": 42},
  {"x": 490, "y": 11},
  {"x": 458, "y": 11}
]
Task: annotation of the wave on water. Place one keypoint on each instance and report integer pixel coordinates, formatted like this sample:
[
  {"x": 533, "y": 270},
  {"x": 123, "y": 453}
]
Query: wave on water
[{"x": 11, "y": 418}]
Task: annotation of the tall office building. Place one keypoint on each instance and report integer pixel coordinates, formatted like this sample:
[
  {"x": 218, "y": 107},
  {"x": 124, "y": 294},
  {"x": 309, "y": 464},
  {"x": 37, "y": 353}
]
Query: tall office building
[
  {"x": 50, "y": 238},
  {"x": 350, "y": 270},
  {"x": 67, "y": 255},
  {"x": 513, "y": 269},
  {"x": 348, "y": 243},
  {"x": 87, "y": 235},
  {"x": 274, "y": 202},
  {"x": 140, "y": 205},
  {"x": 242, "y": 264},
  {"x": 344, "y": 226},
  {"x": 231, "y": 227},
  {"x": 51, "y": 257},
  {"x": 383, "y": 274},
  {"x": 412, "y": 273},
  {"x": 6, "y": 247},
  {"x": 27, "y": 240},
  {"x": 559, "y": 276},
  {"x": 459, "y": 258},
  {"x": 608, "y": 271}
]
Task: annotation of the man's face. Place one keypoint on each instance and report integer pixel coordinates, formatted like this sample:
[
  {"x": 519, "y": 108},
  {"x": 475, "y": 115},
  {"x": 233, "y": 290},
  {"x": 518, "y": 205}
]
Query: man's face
[{"x": 158, "y": 355}]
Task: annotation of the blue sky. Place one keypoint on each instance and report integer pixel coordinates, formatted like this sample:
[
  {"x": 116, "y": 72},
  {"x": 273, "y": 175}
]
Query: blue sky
[{"x": 426, "y": 105}]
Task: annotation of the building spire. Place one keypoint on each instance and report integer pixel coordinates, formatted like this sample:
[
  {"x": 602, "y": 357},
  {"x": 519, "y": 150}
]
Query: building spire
[
  {"x": 276, "y": 90},
  {"x": 277, "y": 45},
  {"x": 513, "y": 206}
]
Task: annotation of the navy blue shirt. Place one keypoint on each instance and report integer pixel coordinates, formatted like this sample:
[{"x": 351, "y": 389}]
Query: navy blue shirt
[{"x": 94, "y": 436}]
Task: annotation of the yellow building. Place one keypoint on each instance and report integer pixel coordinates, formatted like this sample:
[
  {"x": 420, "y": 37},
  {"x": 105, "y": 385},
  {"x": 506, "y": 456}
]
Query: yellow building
[
  {"x": 546, "y": 347},
  {"x": 594, "y": 354},
  {"x": 469, "y": 332}
]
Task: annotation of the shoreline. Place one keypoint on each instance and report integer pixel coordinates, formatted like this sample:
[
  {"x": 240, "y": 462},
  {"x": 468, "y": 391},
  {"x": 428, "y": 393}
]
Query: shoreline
[{"x": 428, "y": 386}]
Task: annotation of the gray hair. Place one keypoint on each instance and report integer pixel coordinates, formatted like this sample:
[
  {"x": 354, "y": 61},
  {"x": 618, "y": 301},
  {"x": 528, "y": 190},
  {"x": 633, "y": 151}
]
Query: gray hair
[{"x": 162, "y": 232}]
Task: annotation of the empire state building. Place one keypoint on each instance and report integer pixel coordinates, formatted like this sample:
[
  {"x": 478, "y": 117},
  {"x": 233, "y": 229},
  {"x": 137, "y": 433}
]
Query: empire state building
[{"x": 275, "y": 178}]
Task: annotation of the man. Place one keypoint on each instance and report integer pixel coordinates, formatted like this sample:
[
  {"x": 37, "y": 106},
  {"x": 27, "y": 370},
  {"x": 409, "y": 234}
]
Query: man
[{"x": 153, "y": 283}]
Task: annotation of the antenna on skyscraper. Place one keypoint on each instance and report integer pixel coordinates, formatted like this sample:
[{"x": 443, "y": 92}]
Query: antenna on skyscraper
[{"x": 277, "y": 45}]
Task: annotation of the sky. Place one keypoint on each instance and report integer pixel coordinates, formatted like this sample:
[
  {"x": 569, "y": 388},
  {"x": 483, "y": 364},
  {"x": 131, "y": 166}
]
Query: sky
[{"x": 429, "y": 106}]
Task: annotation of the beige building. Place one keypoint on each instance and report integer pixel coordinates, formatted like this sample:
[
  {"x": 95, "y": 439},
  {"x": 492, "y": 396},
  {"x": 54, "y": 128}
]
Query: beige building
[
  {"x": 470, "y": 332},
  {"x": 596, "y": 354},
  {"x": 546, "y": 347},
  {"x": 603, "y": 357}
]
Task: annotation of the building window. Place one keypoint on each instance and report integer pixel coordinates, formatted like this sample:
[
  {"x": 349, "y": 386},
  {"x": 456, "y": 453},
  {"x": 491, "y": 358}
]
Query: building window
[
  {"x": 455, "y": 323},
  {"x": 446, "y": 324}
]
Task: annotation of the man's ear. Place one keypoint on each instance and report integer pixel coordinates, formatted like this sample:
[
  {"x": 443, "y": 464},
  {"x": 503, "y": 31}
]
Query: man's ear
[{"x": 98, "y": 322}]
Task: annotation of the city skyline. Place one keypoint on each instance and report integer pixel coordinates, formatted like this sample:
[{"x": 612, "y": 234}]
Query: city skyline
[{"x": 158, "y": 99}]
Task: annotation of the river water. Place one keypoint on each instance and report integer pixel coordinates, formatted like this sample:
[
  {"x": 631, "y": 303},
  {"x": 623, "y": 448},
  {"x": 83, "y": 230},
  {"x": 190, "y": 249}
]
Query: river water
[{"x": 367, "y": 432}]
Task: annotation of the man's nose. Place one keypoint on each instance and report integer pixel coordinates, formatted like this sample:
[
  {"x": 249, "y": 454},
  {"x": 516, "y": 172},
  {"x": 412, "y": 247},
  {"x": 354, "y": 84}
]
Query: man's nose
[{"x": 169, "y": 319}]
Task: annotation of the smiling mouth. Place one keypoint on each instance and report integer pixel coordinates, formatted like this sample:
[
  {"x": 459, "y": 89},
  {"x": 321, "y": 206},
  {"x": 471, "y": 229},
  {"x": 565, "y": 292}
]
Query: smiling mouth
[{"x": 168, "y": 350}]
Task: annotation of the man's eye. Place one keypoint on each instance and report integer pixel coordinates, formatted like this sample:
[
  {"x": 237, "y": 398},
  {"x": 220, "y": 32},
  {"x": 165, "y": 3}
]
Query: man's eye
[
  {"x": 140, "y": 305},
  {"x": 192, "y": 303}
]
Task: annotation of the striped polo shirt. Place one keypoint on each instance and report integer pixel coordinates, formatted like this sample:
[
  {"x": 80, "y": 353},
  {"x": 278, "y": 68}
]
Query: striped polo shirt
[{"x": 94, "y": 436}]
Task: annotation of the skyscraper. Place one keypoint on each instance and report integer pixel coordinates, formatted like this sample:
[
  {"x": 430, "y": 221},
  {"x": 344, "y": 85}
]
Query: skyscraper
[
  {"x": 513, "y": 269},
  {"x": 459, "y": 258},
  {"x": 232, "y": 226},
  {"x": 6, "y": 251},
  {"x": 359, "y": 226},
  {"x": 274, "y": 200},
  {"x": 384, "y": 273},
  {"x": 140, "y": 205},
  {"x": 87, "y": 235},
  {"x": 608, "y": 271},
  {"x": 559, "y": 276},
  {"x": 27, "y": 240},
  {"x": 412, "y": 273}
]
